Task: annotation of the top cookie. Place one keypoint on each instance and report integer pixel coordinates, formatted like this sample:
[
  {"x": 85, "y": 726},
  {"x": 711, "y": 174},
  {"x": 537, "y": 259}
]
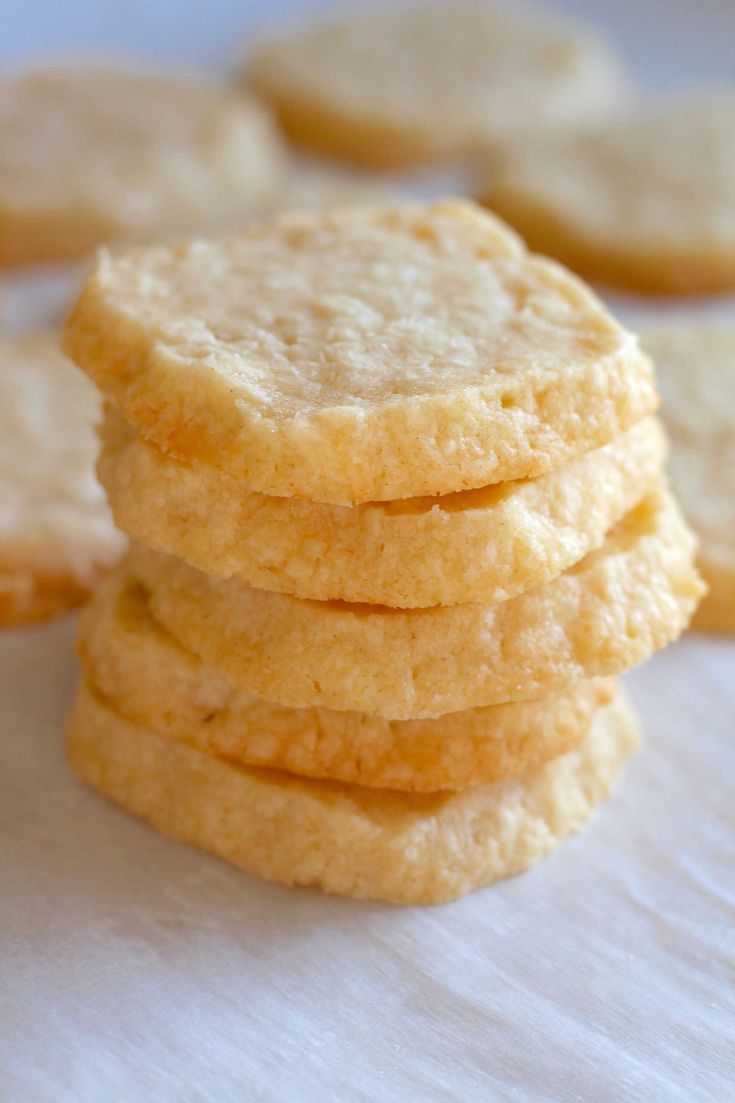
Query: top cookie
[
  {"x": 91, "y": 155},
  {"x": 402, "y": 86},
  {"x": 645, "y": 203},
  {"x": 364, "y": 354}
]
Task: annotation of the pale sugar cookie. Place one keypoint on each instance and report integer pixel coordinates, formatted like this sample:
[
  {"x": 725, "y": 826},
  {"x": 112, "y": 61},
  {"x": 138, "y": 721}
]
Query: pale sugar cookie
[
  {"x": 406, "y": 85},
  {"x": 696, "y": 370},
  {"x": 152, "y": 680},
  {"x": 368, "y": 353},
  {"x": 56, "y": 534},
  {"x": 644, "y": 202},
  {"x": 607, "y": 613},
  {"x": 92, "y": 154},
  {"x": 405, "y": 848},
  {"x": 483, "y": 545}
]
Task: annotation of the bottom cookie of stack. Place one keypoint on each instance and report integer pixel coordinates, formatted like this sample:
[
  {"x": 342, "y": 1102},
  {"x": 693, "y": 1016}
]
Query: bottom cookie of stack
[{"x": 381, "y": 844}]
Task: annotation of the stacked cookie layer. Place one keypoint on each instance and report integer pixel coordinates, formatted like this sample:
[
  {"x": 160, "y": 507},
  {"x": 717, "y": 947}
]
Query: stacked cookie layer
[{"x": 398, "y": 522}]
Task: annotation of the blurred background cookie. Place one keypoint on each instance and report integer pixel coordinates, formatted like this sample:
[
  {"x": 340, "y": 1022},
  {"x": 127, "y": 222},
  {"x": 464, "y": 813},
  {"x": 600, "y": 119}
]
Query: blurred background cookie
[
  {"x": 402, "y": 86},
  {"x": 92, "y": 154},
  {"x": 56, "y": 534},
  {"x": 696, "y": 371},
  {"x": 643, "y": 202},
  {"x": 318, "y": 187}
]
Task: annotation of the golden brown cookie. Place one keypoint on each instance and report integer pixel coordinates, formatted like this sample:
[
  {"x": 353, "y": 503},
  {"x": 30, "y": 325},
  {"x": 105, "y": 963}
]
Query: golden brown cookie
[
  {"x": 406, "y": 848},
  {"x": 365, "y": 354},
  {"x": 92, "y": 154},
  {"x": 151, "y": 680},
  {"x": 56, "y": 534},
  {"x": 406, "y": 85},
  {"x": 604, "y": 615}
]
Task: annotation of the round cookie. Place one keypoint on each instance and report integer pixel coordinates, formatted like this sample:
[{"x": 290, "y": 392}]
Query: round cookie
[
  {"x": 696, "y": 370},
  {"x": 607, "y": 613},
  {"x": 56, "y": 533},
  {"x": 92, "y": 154},
  {"x": 404, "y": 86},
  {"x": 359, "y": 355},
  {"x": 151, "y": 680},
  {"x": 476, "y": 545},
  {"x": 645, "y": 203},
  {"x": 405, "y": 848}
]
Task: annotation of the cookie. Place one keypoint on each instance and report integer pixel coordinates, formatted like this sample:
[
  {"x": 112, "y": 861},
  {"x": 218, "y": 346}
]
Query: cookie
[
  {"x": 607, "y": 613},
  {"x": 696, "y": 369},
  {"x": 365, "y": 354},
  {"x": 151, "y": 680},
  {"x": 645, "y": 203},
  {"x": 94, "y": 154},
  {"x": 402, "y": 86},
  {"x": 56, "y": 534},
  {"x": 476, "y": 545},
  {"x": 406, "y": 848},
  {"x": 317, "y": 189}
]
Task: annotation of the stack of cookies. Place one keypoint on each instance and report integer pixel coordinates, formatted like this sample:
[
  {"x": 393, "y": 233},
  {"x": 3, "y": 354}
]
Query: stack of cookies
[{"x": 398, "y": 521}]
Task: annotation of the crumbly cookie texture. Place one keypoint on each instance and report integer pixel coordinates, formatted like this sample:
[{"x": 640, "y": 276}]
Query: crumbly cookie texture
[
  {"x": 405, "y": 848},
  {"x": 364, "y": 354},
  {"x": 94, "y": 154},
  {"x": 483, "y": 545},
  {"x": 645, "y": 203},
  {"x": 147, "y": 677},
  {"x": 607, "y": 613},
  {"x": 696, "y": 369},
  {"x": 56, "y": 534},
  {"x": 409, "y": 85}
]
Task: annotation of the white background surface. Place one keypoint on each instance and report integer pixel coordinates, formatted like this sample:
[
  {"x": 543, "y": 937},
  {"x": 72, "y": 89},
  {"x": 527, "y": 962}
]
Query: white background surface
[{"x": 133, "y": 970}]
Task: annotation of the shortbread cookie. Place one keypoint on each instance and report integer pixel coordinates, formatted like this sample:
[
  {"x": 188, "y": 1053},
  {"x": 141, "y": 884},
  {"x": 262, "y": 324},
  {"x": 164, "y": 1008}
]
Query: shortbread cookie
[
  {"x": 696, "y": 368},
  {"x": 607, "y": 613},
  {"x": 406, "y": 848},
  {"x": 360, "y": 355},
  {"x": 404, "y": 86},
  {"x": 646, "y": 203},
  {"x": 477, "y": 545},
  {"x": 91, "y": 155},
  {"x": 151, "y": 680},
  {"x": 56, "y": 533}
]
